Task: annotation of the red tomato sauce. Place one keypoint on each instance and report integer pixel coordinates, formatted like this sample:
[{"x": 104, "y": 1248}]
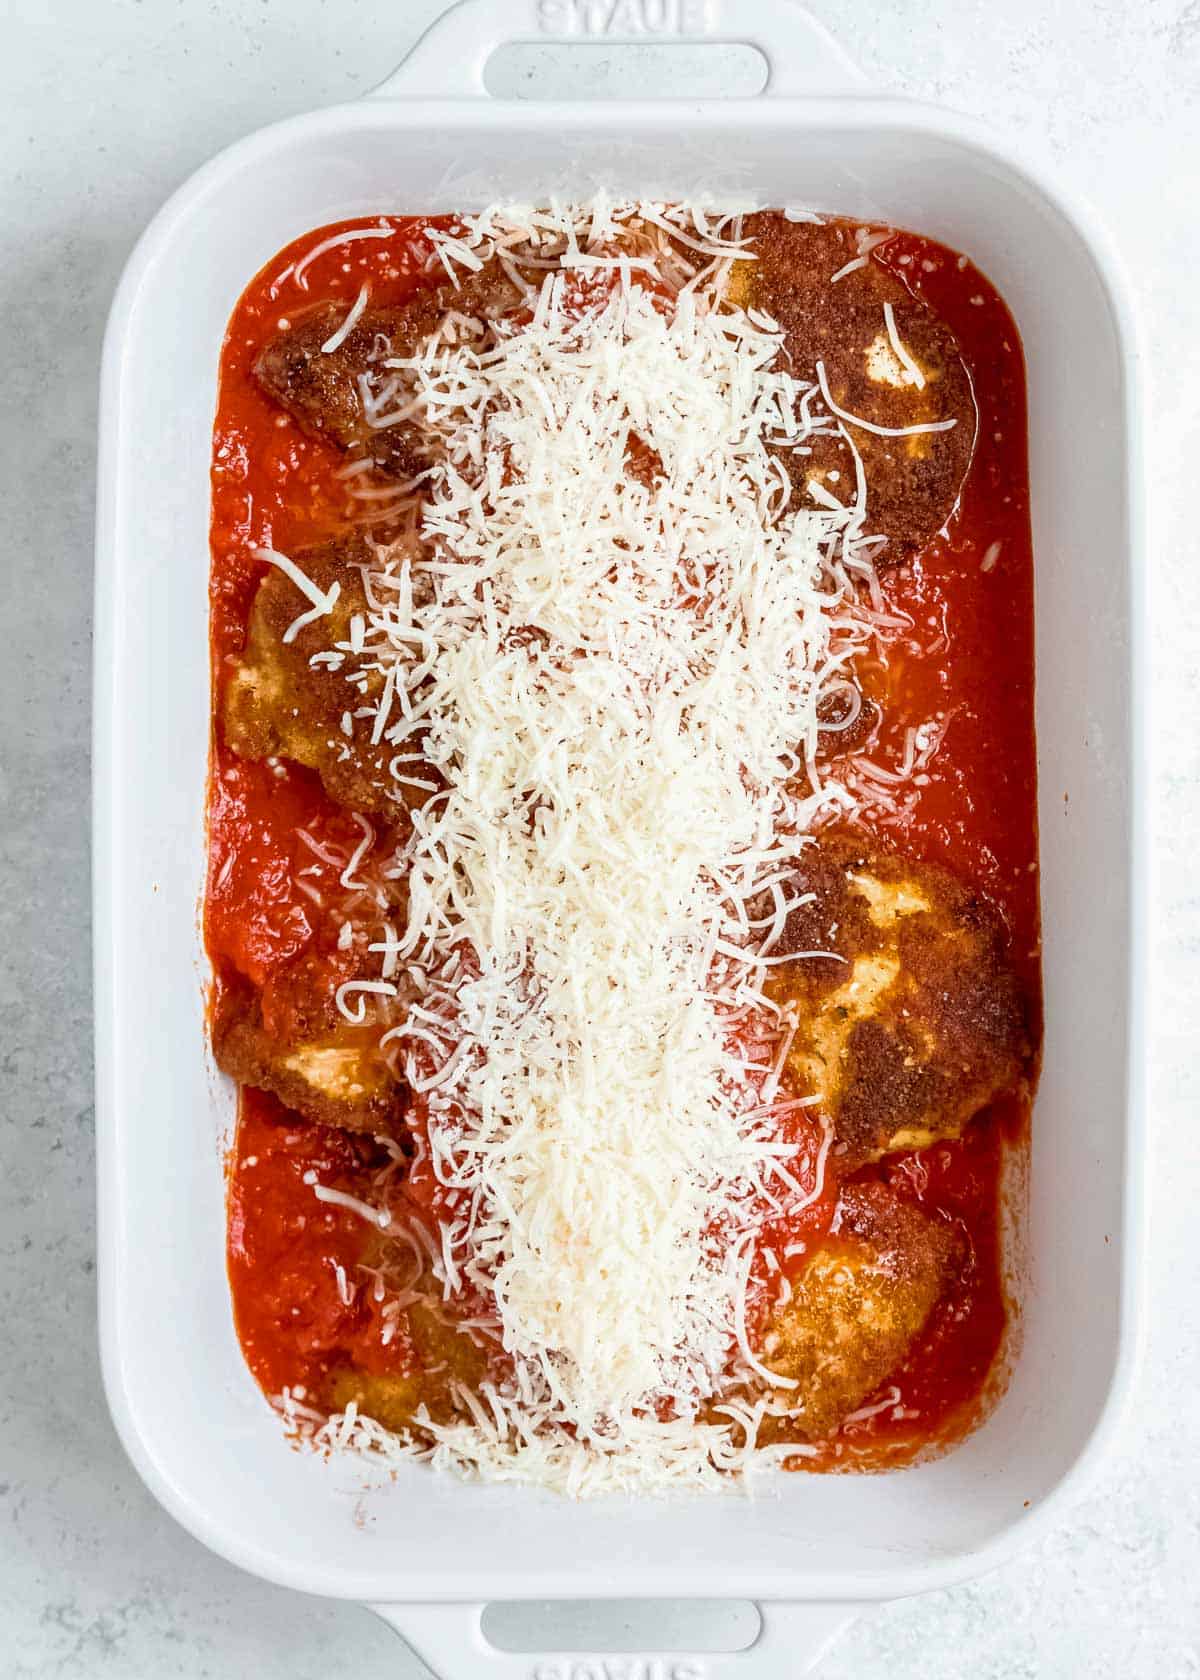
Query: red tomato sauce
[
  {"x": 966, "y": 667},
  {"x": 972, "y": 588},
  {"x": 285, "y": 1248},
  {"x": 969, "y": 664}
]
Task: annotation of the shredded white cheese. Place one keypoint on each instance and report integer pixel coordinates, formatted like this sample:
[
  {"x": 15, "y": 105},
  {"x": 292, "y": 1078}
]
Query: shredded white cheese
[
  {"x": 618, "y": 683},
  {"x": 332, "y": 244},
  {"x": 870, "y": 425},
  {"x": 902, "y": 354},
  {"x": 616, "y": 675},
  {"x": 323, "y": 601},
  {"x": 353, "y": 317}
]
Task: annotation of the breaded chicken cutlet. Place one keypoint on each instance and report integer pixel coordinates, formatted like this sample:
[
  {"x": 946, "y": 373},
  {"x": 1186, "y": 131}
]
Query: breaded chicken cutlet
[
  {"x": 287, "y": 1035},
  {"x": 855, "y": 1310},
  {"x": 915, "y": 1021},
  {"x": 277, "y": 703},
  {"x": 290, "y": 1038},
  {"x": 444, "y": 1358},
  {"x": 320, "y": 388},
  {"x": 913, "y": 482}
]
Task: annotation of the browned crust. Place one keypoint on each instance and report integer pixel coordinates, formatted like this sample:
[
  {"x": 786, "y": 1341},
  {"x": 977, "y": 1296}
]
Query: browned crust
[
  {"x": 443, "y": 1358},
  {"x": 907, "y": 1244},
  {"x": 949, "y": 1029},
  {"x": 858, "y": 1306},
  {"x": 320, "y": 389},
  {"x": 834, "y": 743},
  {"x": 276, "y": 704},
  {"x": 913, "y": 483},
  {"x": 371, "y": 1099}
]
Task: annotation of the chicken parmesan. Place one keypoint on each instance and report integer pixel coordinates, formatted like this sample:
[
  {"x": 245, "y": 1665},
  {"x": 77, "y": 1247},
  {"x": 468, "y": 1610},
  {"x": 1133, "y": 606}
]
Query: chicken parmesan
[{"x": 622, "y": 893}]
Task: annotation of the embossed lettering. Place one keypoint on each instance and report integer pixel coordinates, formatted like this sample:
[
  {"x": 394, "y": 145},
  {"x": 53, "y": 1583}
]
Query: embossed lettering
[
  {"x": 555, "y": 17},
  {"x": 624, "y": 17},
  {"x": 656, "y": 16},
  {"x": 621, "y": 1668}
]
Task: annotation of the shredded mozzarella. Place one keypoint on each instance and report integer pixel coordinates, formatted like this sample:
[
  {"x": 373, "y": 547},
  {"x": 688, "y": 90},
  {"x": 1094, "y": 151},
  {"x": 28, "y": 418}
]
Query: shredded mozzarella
[
  {"x": 323, "y": 601},
  {"x": 854, "y": 264},
  {"x": 617, "y": 681},
  {"x": 332, "y": 244},
  {"x": 869, "y": 425},
  {"x": 353, "y": 317},
  {"x": 900, "y": 349},
  {"x": 341, "y": 1198},
  {"x": 889, "y": 1402}
]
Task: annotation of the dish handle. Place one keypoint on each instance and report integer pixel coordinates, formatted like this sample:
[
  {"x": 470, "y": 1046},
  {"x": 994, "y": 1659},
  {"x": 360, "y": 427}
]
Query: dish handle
[
  {"x": 449, "y": 1638},
  {"x": 449, "y": 60}
]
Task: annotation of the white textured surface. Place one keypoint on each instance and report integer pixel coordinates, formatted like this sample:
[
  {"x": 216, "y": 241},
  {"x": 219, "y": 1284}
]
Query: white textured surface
[{"x": 104, "y": 108}]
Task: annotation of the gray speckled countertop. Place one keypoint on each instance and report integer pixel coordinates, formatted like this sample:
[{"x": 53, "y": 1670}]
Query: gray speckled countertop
[{"x": 105, "y": 106}]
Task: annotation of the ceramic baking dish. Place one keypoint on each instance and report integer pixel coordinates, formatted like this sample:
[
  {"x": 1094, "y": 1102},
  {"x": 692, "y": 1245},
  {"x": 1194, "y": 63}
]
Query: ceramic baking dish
[{"x": 431, "y": 1551}]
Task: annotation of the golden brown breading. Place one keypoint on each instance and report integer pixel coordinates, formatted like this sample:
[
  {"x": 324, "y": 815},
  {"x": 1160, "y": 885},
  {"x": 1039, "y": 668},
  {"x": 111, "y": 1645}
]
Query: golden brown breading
[
  {"x": 835, "y": 742},
  {"x": 857, "y": 1307},
  {"x": 442, "y": 1356},
  {"x": 921, "y": 1023},
  {"x": 276, "y": 703},
  {"x": 320, "y": 389},
  {"x": 912, "y": 482},
  {"x": 308, "y": 1055}
]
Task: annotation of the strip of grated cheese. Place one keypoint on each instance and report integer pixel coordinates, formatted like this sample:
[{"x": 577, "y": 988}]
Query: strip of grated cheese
[
  {"x": 901, "y": 351},
  {"x": 618, "y": 683},
  {"x": 353, "y": 317}
]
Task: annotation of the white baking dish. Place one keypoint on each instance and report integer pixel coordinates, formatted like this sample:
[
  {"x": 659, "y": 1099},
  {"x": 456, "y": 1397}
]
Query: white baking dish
[{"x": 187, "y": 1409}]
